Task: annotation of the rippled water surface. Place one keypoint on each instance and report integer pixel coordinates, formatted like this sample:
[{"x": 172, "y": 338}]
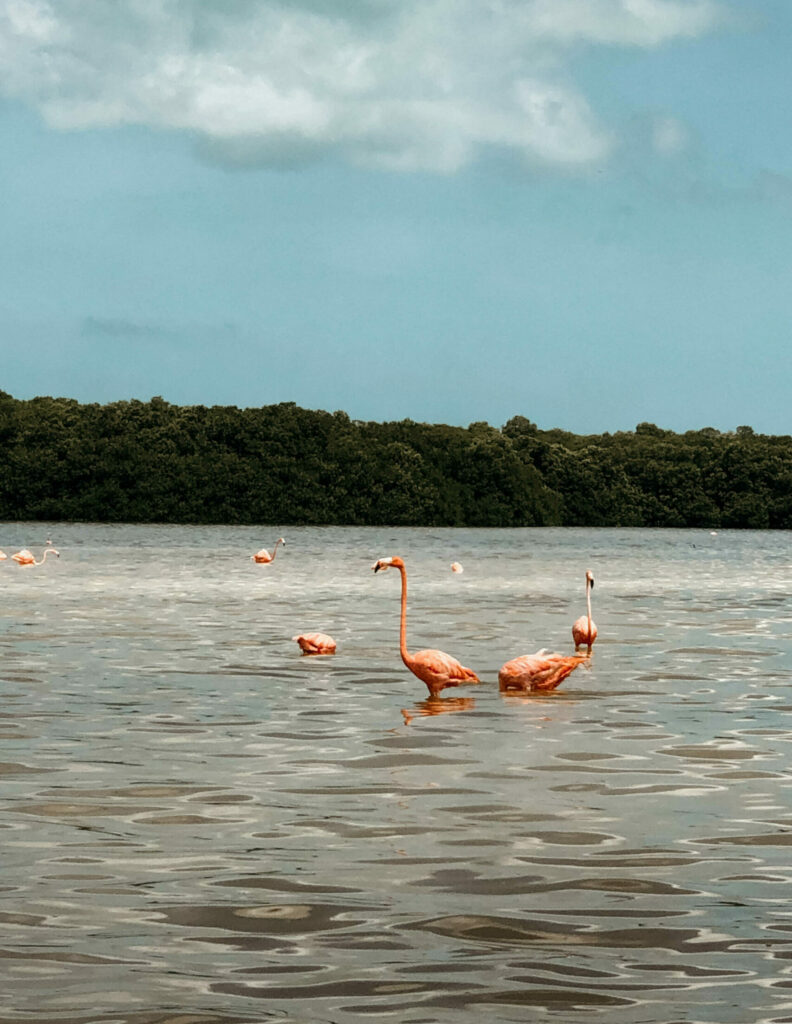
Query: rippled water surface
[{"x": 200, "y": 825}]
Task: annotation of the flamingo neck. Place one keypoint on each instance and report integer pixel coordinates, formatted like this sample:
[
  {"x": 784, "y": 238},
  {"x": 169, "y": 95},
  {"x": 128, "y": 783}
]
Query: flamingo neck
[
  {"x": 405, "y": 654},
  {"x": 275, "y": 549},
  {"x": 588, "y": 605}
]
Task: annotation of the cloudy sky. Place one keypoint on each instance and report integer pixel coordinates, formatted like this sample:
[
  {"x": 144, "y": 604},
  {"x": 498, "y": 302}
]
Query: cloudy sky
[{"x": 578, "y": 211}]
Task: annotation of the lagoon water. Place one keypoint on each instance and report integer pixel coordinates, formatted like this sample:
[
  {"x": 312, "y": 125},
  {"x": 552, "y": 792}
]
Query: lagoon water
[{"x": 200, "y": 825}]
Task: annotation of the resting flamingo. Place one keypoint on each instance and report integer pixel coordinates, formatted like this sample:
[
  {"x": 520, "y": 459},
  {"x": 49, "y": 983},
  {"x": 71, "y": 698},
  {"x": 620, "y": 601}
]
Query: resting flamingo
[
  {"x": 584, "y": 632},
  {"x": 435, "y": 668},
  {"x": 315, "y": 643},
  {"x": 456, "y": 567},
  {"x": 538, "y": 672},
  {"x": 25, "y": 557},
  {"x": 264, "y": 555}
]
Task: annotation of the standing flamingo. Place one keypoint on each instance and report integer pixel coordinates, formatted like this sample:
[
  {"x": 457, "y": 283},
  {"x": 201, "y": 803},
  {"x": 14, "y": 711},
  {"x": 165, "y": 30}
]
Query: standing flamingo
[
  {"x": 316, "y": 643},
  {"x": 25, "y": 557},
  {"x": 540, "y": 671},
  {"x": 435, "y": 668},
  {"x": 584, "y": 631},
  {"x": 264, "y": 556}
]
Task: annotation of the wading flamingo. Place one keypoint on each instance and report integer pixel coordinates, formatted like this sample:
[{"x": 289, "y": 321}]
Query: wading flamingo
[
  {"x": 316, "y": 643},
  {"x": 538, "y": 672},
  {"x": 25, "y": 557},
  {"x": 435, "y": 668},
  {"x": 456, "y": 567},
  {"x": 584, "y": 632},
  {"x": 264, "y": 555}
]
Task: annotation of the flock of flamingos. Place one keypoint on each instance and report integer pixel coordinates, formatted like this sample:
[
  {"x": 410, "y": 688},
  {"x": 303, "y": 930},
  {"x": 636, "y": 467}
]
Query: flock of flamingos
[{"x": 541, "y": 671}]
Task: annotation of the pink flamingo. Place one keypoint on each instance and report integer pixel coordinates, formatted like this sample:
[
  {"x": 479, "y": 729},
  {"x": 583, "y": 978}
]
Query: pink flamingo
[
  {"x": 584, "y": 632},
  {"x": 456, "y": 567},
  {"x": 3, "y": 556},
  {"x": 316, "y": 643},
  {"x": 435, "y": 668},
  {"x": 264, "y": 556},
  {"x": 25, "y": 557},
  {"x": 538, "y": 672}
]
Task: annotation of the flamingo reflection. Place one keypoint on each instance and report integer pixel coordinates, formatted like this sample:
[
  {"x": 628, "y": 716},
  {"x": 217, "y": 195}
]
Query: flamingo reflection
[{"x": 437, "y": 706}]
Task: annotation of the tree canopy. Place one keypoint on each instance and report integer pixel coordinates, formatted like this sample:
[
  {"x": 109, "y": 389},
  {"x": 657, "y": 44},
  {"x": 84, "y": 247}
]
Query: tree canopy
[{"x": 156, "y": 462}]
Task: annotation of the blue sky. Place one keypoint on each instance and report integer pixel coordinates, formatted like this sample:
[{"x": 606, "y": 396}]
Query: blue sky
[{"x": 578, "y": 211}]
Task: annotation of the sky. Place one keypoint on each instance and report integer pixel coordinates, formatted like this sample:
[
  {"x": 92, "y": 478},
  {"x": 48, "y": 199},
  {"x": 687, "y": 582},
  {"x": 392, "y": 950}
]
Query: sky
[{"x": 578, "y": 211}]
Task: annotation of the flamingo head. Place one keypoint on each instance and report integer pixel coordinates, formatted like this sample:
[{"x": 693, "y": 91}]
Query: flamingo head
[
  {"x": 386, "y": 563},
  {"x": 281, "y": 540},
  {"x": 590, "y": 578},
  {"x": 55, "y": 552}
]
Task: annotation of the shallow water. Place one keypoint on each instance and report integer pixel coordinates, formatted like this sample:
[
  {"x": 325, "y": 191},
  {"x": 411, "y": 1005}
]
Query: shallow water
[{"x": 200, "y": 825}]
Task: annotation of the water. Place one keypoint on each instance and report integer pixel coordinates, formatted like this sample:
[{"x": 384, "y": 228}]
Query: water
[{"x": 200, "y": 825}]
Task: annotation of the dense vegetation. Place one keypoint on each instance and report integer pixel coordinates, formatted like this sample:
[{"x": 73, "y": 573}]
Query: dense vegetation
[{"x": 156, "y": 462}]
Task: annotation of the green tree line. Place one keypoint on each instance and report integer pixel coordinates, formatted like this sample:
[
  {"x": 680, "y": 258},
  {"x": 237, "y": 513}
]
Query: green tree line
[{"x": 156, "y": 462}]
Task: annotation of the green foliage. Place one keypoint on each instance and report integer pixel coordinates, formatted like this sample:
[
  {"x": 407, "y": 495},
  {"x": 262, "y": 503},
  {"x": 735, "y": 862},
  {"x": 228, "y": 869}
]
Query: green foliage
[{"x": 156, "y": 462}]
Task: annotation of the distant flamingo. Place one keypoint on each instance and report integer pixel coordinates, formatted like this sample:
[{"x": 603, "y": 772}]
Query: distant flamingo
[
  {"x": 456, "y": 567},
  {"x": 264, "y": 556},
  {"x": 316, "y": 643},
  {"x": 3, "y": 556},
  {"x": 538, "y": 672},
  {"x": 584, "y": 632},
  {"x": 435, "y": 668},
  {"x": 25, "y": 557}
]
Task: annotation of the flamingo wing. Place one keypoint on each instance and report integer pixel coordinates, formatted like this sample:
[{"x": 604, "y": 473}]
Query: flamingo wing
[{"x": 23, "y": 557}]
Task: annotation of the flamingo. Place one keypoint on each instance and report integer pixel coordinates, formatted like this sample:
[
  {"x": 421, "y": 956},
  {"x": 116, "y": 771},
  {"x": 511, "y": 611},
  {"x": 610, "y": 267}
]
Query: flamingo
[
  {"x": 264, "y": 556},
  {"x": 3, "y": 556},
  {"x": 584, "y": 631},
  {"x": 435, "y": 668},
  {"x": 541, "y": 671},
  {"x": 25, "y": 557},
  {"x": 456, "y": 567},
  {"x": 316, "y": 643}
]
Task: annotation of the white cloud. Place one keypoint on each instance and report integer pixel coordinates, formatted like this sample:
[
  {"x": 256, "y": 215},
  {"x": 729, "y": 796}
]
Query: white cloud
[
  {"x": 669, "y": 136},
  {"x": 402, "y": 84}
]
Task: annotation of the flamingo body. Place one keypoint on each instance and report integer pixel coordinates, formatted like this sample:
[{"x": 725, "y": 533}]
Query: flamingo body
[
  {"x": 541, "y": 671},
  {"x": 584, "y": 632},
  {"x": 263, "y": 556},
  {"x": 316, "y": 643},
  {"x": 438, "y": 670},
  {"x": 581, "y": 634},
  {"x": 3, "y": 556},
  {"x": 456, "y": 567},
  {"x": 435, "y": 668},
  {"x": 25, "y": 557}
]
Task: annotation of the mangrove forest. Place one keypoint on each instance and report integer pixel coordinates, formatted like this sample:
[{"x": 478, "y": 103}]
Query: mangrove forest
[{"x": 145, "y": 462}]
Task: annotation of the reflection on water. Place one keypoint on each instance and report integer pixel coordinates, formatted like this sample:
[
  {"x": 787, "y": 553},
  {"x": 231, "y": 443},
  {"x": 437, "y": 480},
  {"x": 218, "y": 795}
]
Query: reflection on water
[{"x": 200, "y": 825}]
